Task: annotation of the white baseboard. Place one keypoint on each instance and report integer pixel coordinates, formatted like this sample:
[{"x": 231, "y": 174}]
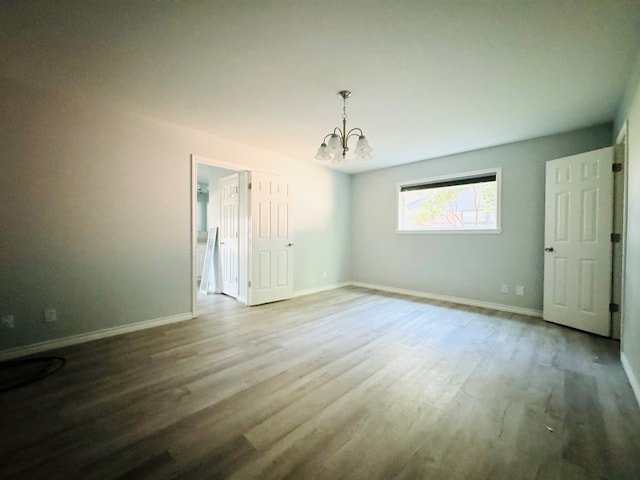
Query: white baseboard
[
  {"x": 633, "y": 380},
  {"x": 445, "y": 298},
  {"x": 324, "y": 288},
  {"x": 89, "y": 336},
  {"x": 110, "y": 332}
]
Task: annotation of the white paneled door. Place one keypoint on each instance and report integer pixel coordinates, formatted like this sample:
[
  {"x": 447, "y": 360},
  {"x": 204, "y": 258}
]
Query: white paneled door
[
  {"x": 578, "y": 225},
  {"x": 271, "y": 247},
  {"x": 229, "y": 248}
]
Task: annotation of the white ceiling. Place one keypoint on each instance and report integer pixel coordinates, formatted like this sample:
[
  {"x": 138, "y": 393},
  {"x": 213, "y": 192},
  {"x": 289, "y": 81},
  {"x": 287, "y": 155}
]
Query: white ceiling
[{"x": 429, "y": 78}]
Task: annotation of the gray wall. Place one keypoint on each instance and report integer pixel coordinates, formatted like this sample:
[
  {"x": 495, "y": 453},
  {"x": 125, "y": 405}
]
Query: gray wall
[
  {"x": 95, "y": 214},
  {"x": 630, "y": 338},
  {"x": 469, "y": 266}
]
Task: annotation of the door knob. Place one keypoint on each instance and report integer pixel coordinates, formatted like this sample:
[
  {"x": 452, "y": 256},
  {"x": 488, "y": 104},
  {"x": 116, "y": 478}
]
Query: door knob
[
  {"x": 289, "y": 244},
  {"x": 548, "y": 249}
]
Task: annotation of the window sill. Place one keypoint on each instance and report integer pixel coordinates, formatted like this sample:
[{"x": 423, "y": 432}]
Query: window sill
[{"x": 488, "y": 231}]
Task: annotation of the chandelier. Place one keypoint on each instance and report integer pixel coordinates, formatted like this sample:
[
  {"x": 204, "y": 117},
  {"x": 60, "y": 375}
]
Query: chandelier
[{"x": 337, "y": 143}]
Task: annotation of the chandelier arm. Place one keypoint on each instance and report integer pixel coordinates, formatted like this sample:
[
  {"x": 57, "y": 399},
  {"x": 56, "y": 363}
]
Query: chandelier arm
[{"x": 355, "y": 132}]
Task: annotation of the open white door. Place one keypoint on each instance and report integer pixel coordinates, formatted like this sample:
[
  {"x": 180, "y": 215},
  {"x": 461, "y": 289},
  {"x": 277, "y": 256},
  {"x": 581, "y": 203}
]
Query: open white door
[
  {"x": 229, "y": 248},
  {"x": 578, "y": 225},
  {"x": 270, "y": 245}
]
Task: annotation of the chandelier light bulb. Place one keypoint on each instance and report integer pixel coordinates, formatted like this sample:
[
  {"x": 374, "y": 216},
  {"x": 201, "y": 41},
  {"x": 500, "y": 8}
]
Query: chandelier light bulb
[
  {"x": 323, "y": 153},
  {"x": 334, "y": 144},
  {"x": 363, "y": 149}
]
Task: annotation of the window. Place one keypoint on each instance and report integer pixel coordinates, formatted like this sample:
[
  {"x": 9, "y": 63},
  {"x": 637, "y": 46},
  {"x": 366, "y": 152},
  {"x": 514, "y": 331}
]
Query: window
[{"x": 467, "y": 202}]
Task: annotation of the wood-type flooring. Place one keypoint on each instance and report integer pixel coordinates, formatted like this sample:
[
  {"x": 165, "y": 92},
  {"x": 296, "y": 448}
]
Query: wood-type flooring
[{"x": 349, "y": 383}]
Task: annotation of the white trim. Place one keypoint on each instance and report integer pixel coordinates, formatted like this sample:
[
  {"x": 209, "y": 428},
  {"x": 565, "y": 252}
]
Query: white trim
[
  {"x": 622, "y": 133},
  {"x": 220, "y": 163},
  {"x": 466, "y": 231},
  {"x": 623, "y": 139},
  {"x": 324, "y": 288},
  {"x": 633, "y": 380},
  {"x": 446, "y": 298},
  {"x": 90, "y": 336},
  {"x": 193, "y": 199},
  {"x": 453, "y": 176}
]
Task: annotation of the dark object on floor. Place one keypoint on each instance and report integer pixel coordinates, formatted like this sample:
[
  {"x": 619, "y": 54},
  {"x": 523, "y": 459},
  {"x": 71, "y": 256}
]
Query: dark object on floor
[{"x": 25, "y": 371}]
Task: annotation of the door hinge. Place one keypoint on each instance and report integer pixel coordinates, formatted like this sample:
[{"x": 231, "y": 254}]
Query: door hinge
[
  {"x": 249, "y": 284},
  {"x": 616, "y": 167},
  {"x": 614, "y": 308},
  {"x": 615, "y": 238},
  {"x": 249, "y": 185}
]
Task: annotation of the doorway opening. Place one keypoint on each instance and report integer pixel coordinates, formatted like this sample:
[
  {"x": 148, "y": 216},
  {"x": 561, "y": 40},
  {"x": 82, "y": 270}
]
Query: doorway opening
[{"x": 219, "y": 234}]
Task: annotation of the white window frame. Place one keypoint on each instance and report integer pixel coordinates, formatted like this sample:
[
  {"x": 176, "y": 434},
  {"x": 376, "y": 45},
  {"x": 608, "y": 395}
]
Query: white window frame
[{"x": 452, "y": 177}]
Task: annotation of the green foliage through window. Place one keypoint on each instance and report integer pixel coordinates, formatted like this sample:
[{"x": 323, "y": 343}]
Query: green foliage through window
[{"x": 463, "y": 203}]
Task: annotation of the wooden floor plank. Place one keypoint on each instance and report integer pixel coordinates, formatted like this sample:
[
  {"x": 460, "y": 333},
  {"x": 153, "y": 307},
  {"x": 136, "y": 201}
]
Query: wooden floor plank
[{"x": 349, "y": 383}]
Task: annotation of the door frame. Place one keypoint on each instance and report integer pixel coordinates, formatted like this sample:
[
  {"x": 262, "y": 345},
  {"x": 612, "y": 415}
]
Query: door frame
[
  {"x": 195, "y": 160},
  {"x": 622, "y": 139}
]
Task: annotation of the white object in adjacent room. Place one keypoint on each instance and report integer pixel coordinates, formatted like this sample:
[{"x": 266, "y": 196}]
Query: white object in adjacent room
[{"x": 210, "y": 280}]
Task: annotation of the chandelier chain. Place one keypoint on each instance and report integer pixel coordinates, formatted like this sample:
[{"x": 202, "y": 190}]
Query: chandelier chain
[{"x": 344, "y": 108}]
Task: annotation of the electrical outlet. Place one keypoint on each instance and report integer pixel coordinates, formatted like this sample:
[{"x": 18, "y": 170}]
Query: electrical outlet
[
  {"x": 519, "y": 290},
  {"x": 7, "y": 321},
  {"x": 504, "y": 289},
  {"x": 50, "y": 315}
]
